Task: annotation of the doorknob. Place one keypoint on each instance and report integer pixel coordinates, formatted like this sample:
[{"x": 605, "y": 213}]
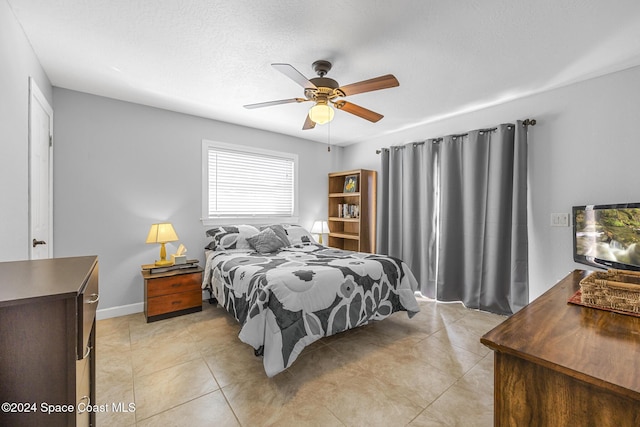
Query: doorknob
[{"x": 38, "y": 242}]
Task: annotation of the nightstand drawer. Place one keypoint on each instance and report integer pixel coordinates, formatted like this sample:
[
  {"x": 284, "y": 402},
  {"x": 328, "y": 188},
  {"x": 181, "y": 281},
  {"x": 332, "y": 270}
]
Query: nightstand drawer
[
  {"x": 174, "y": 302},
  {"x": 174, "y": 284}
]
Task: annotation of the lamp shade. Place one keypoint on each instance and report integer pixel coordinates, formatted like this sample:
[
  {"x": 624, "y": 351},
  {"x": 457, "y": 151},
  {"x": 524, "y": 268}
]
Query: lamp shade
[
  {"x": 320, "y": 227},
  {"x": 321, "y": 113},
  {"x": 162, "y": 233}
]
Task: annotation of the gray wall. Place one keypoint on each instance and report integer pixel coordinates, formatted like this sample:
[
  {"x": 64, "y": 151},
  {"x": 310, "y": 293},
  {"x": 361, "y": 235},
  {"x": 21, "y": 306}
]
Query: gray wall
[
  {"x": 121, "y": 167},
  {"x": 584, "y": 150},
  {"x": 18, "y": 62},
  {"x": 118, "y": 167}
]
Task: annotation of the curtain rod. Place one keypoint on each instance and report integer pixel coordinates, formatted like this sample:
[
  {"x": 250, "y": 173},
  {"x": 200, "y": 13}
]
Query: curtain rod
[{"x": 525, "y": 123}]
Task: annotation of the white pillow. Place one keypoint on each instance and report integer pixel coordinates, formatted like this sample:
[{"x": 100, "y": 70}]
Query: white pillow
[
  {"x": 298, "y": 235},
  {"x": 231, "y": 237}
]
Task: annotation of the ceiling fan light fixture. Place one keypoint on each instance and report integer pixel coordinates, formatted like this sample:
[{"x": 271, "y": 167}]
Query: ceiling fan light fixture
[
  {"x": 321, "y": 113},
  {"x": 323, "y": 90}
]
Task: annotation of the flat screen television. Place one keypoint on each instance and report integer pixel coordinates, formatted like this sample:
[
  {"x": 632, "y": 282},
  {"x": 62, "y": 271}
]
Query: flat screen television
[{"x": 607, "y": 236}]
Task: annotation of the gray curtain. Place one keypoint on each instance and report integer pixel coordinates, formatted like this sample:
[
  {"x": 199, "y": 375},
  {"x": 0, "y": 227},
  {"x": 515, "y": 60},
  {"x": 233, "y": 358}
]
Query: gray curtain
[
  {"x": 407, "y": 212},
  {"x": 463, "y": 231}
]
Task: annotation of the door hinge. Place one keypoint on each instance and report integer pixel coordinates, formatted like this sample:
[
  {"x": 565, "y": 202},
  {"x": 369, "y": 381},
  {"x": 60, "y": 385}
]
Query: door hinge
[{"x": 50, "y": 140}]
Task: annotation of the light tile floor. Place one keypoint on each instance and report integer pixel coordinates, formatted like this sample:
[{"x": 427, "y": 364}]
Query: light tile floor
[{"x": 194, "y": 371}]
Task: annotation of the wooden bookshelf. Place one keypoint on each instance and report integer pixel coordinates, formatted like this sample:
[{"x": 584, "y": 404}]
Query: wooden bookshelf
[{"x": 353, "y": 228}]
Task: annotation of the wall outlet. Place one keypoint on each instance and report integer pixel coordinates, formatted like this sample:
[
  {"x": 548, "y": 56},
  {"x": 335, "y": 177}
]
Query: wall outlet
[{"x": 559, "y": 219}]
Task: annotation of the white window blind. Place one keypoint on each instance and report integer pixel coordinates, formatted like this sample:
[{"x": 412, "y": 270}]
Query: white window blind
[{"x": 245, "y": 182}]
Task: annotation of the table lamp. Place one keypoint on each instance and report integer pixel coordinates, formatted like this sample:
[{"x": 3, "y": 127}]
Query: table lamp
[
  {"x": 162, "y": 233},
  {"x": 320, "y": 228}
]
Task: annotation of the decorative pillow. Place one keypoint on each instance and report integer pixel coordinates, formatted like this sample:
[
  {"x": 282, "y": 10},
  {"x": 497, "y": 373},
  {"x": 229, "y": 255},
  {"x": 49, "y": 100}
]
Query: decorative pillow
[
  {"x": 298, "y": 235},
  {"x": 266, "y": 241},
  {"x": 231, "y": 237},
  {"x": 280, "y": 232}
]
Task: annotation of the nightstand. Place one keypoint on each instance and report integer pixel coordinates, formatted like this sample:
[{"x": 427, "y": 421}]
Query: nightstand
[{"x": 172, "y": 293}]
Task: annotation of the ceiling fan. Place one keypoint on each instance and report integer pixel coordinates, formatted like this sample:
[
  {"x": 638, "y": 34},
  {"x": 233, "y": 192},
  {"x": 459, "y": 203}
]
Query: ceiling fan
[{"x": 324, "y": 91}]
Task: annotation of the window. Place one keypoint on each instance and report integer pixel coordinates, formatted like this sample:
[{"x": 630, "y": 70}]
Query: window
[{"x": 242, "y": 182}]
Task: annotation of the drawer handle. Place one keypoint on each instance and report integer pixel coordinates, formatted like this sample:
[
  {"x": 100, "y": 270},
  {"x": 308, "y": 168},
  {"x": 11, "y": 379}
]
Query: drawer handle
[
  {"x": 87, "y": 399},
  {"x": 93, "y": 301},
  {"x": 87, "y": 353},
  {"x": 176, "y": 302}
]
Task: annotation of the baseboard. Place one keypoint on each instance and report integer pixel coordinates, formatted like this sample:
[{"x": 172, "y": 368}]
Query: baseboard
[{"x": 123, "y": 310}]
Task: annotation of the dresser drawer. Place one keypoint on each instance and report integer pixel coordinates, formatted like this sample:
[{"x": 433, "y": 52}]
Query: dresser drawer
[
  {"x": 83, "y": 391},
  {"x": 174, "y": 302},
  {"x": 174, "y": 284},
  {"x": 87, "y": 305}
]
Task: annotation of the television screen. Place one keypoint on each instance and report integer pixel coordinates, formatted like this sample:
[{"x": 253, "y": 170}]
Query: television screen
[{"x": 607, "y": 236}]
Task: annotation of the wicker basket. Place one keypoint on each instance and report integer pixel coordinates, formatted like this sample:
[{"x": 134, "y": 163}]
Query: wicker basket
[{"x": 614, "y": 289}]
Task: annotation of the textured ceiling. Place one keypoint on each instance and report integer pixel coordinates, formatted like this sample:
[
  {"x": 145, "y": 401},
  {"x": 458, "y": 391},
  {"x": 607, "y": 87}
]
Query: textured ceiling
[{"x": 210, "y": 57}]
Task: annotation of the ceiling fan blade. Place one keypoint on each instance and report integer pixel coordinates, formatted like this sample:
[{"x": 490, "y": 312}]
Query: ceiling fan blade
[
  {"x": 308, "y": 123},
  {"x": 294, "y": 75},
  {"x": 357, "y": 110},
  {"x": 270, "y": 103},
  {"x": 377, "y": 83}
]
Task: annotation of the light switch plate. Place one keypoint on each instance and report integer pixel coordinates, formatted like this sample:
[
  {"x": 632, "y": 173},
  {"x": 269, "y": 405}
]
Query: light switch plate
[{"x": 559, "y": 219}]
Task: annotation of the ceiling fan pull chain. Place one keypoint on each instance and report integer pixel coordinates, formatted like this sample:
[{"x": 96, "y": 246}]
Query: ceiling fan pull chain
[{"x": 329, "y": 137}]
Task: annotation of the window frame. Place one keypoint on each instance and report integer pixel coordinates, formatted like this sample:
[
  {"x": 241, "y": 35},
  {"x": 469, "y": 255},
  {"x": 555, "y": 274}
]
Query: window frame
[{"x": 244, "y": 219}]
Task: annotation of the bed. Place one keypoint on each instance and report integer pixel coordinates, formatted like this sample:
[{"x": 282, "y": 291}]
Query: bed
[{"x": 288, "y": 291}]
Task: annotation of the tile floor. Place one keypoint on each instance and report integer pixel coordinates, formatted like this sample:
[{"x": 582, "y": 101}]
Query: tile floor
[{"x": 193, "y": 371}]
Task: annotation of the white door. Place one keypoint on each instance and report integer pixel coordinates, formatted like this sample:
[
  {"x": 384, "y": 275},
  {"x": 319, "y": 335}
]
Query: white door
[{"x": 40, "y": 174}]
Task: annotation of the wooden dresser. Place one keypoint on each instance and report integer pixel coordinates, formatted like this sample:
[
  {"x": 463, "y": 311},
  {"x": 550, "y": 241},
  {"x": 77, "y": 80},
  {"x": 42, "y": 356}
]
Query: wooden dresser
[
  {"x": 47, "y": 341},
  {"x": 558, "y": 364}
]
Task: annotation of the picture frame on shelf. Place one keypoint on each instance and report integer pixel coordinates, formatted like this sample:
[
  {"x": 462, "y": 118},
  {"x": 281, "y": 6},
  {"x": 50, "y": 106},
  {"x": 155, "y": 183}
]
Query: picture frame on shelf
[{"x": 350, "y": 184}]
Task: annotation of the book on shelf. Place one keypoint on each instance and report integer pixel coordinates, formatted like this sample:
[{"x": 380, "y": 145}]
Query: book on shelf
[
  {"x": 348, "y": 211},
  {"x": 152, "y": 268}
]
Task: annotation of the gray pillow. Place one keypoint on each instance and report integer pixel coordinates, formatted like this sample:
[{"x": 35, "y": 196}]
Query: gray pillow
[
  {"x": 280, "y": 232},
  {"x": 266, "y": 241}
]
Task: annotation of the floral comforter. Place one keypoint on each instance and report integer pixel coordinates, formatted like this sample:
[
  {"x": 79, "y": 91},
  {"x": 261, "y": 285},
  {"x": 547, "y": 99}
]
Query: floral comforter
[{"x": 288, "y": 299}]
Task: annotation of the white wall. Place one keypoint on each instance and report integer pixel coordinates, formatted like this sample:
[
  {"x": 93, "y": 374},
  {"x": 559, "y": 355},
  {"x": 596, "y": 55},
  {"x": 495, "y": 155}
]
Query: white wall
[
  {"x": 119, "y": 167},
  {"x": 18, "y": 62},
  {"x": 584, "y": 150}
]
